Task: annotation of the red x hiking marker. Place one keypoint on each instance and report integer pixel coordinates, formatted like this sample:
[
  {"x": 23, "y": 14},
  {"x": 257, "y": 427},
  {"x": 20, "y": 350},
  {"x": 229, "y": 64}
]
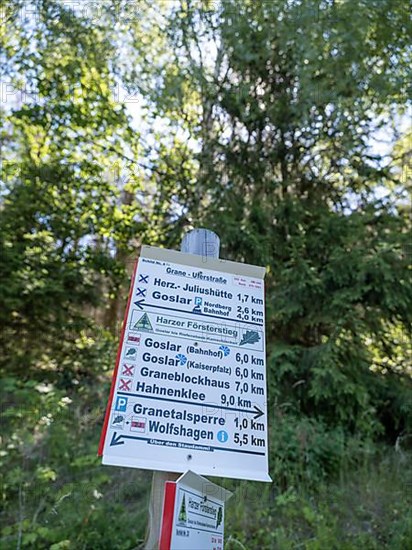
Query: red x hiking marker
[
  {"x": 124, "y": 385},
  {"x": 128, "y": 370}
]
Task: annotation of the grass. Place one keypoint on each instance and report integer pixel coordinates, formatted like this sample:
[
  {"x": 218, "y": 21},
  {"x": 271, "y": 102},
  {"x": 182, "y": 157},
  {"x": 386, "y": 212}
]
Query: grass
[{"x": 369, "y": 508}]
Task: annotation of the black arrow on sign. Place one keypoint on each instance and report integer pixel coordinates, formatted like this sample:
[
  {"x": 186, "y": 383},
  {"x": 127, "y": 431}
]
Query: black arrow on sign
[
  {"x": 141, "y": 303},
  {"x": 117, "y": 439},
  {"x": 258, "y": 414}
]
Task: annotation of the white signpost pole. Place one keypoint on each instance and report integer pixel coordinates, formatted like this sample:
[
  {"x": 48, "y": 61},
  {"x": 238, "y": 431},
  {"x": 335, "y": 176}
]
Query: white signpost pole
[{"x": 205, "y": 243}]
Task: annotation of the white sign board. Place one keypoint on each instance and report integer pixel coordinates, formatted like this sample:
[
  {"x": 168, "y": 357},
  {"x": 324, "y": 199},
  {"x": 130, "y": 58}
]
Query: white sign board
[
  {"x": 189, "y": 388},
  {"x": 193, "y": 514}
]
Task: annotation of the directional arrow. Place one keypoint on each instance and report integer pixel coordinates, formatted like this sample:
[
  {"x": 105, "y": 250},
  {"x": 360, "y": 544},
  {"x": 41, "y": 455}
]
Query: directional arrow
[
  {"x": 141, "y": 303},
  {"x": 116, "y": 440},
  {"x": 257, "y": 412}
]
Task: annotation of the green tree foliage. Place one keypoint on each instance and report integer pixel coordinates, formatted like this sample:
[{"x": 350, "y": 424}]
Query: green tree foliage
[
  {"x": 281, "y": 102},
  {"x": 62, "y": 215},
  {"x": 66, "y": 218},
  {"x": 258, "y": 120}
]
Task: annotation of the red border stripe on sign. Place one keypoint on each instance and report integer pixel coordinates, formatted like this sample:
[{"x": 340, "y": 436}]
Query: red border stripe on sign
[
  {"x": 112, "y": 387},
  {"x": 167, "y": 516}
]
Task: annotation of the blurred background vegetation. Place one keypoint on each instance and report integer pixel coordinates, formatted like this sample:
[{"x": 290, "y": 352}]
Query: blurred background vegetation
[{"x": 283, "y": 126}]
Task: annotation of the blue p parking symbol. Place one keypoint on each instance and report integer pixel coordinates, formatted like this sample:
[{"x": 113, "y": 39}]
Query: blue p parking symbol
[{"x": 121, "y": 404}]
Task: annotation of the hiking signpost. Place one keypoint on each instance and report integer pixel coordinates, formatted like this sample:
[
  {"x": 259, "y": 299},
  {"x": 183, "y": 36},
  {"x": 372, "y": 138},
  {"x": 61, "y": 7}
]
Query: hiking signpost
[
  {"x": 193, "y": 514},
  {"x": 189, "y": 387}
]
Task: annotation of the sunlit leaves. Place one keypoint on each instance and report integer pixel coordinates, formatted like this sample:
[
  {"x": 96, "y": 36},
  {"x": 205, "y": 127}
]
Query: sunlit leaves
[
  {"x": 291, "y": 96},
  {"x": 63, "y": 215}
]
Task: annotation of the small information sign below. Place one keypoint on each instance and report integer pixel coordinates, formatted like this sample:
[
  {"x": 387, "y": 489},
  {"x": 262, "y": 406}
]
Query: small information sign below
[
  {"x": 189, "y": 387},
  {"x": 193, "y": 514}
]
